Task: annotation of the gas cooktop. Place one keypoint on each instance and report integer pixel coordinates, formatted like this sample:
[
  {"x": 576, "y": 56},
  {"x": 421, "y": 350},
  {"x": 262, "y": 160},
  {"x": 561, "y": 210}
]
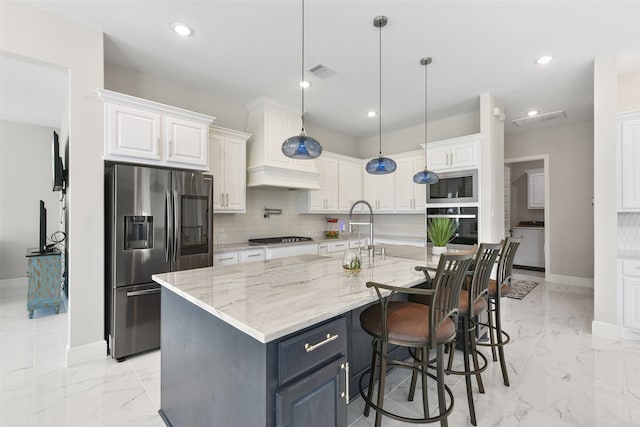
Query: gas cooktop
[{"x": 286, "y": 239}]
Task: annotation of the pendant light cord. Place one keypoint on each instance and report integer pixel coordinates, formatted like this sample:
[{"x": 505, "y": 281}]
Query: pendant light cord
[
  {"x": 302, "y": 68},
  {"x": 380, "y": 93},
  {"x": 426, "y": 89}
]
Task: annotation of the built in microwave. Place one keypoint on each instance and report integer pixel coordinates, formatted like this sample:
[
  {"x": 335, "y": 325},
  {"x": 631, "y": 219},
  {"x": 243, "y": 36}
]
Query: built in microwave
[{"x": 454, "y": 187}]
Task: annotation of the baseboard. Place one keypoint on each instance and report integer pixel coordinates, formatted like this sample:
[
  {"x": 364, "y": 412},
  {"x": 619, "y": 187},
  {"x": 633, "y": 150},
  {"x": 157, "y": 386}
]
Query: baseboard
[
  {"x": 86, "y": 353},
  {"x": 605, "y": 330},
  {"x": 584, "y": 282}
]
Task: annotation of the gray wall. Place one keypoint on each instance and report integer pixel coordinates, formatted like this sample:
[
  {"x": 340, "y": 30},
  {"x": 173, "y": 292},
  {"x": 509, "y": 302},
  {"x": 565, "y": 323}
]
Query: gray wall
[
  {"x": 25, "y": 178},
  {"x": 409, "y": 139},
  {"x": 570, "y": 175},
  {"x": 519, "y": 193}
]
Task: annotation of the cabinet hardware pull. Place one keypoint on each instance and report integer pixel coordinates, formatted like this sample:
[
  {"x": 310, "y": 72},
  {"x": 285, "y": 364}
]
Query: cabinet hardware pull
[
  {"x": 225, "y": 259},
  {"x": 329, "y": 338},
  {"x": 345, "y": 366},
  {"x": 143, "y": 292},
  {"x": 253, "y": 255}
]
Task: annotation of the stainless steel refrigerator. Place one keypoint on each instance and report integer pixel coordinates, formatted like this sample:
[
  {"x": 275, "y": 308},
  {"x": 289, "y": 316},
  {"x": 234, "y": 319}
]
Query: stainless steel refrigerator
[{"x": 156, "y": 221}]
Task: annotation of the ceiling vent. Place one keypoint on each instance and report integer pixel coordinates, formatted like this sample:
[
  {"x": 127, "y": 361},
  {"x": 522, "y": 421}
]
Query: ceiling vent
[
  {"x": 321, "y": 72},
  {"x": 523, "y": 121}
]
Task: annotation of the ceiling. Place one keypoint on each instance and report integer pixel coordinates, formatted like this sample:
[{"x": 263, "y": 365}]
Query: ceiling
[{"x": 244, "y": 49}]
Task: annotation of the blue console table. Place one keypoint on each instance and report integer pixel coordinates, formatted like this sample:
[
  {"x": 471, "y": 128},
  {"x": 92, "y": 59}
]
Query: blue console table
[{"x": 45, "y": 280}]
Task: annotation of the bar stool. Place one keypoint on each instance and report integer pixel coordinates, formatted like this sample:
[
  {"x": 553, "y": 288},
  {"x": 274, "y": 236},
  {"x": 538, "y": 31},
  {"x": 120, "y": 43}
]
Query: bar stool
[
  {"x": 413, "y": 325},
  {"x": 497, "y": 337},
  {"x": 473, "y": 301}
]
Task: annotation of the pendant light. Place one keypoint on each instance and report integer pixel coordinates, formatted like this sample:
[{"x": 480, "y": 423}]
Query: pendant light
[
  {"x": 302, "y": 146},
  {"x": 380, "y": 165},
  {"x": 426, "y": 176}
]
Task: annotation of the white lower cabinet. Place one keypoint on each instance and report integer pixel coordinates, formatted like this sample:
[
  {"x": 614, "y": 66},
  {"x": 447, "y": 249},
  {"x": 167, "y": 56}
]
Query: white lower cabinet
[
  {"x": 242, "y": 256},
  {"x": 629, "y": 275},
  {"x": 252, "y": 255},
  {"x": 225, "y": 258}
]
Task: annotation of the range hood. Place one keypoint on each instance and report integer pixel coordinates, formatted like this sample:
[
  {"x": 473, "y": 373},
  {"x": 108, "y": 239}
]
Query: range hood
[{"x": 270, "y": 123}]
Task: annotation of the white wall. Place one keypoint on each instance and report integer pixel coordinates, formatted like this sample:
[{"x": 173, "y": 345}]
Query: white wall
[
  {"x": 31, "y": 33},
  {"x": 25, "y": 179},
  {"x": 570, "y": 175},
  {"x": 629, "y": 92},
  {"x": 604, "y": 214},
  {"x": 491, "y": 173}
]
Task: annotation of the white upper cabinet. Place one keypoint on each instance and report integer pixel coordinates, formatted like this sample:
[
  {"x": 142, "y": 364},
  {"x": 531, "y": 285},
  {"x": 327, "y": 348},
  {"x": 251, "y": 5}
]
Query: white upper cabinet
[
  {"x": 228, "y": 162},
  {"x": 350, "y": 185},
  {"x": 147, "y": 132},
  {"x": 629, "y": 161},
  {"x": 325, "y": 199},
  {"x": 409, "y": 196},
  {"x": 340, "y": 185},
  {"x": 535, "y": 188},
  {"x": 270, "y": 124},
  {"x": 453, "y": 154},
  {"x": 378, "y": 190}
]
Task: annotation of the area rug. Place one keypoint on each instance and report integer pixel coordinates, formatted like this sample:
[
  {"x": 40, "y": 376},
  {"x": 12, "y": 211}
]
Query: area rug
[{"x": 520, "y": 288}]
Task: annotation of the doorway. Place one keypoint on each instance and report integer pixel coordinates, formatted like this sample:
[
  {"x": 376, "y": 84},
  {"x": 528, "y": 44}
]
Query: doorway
[{"x": 527, "y": 211}]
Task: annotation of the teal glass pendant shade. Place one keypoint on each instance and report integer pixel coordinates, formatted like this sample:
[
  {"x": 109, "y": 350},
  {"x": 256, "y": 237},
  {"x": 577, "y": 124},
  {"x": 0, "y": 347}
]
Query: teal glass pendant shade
[
  {"x": 301, "y": 147},
  {"x": 426, "y": 177},
  {"x": 380, "y": 166}
]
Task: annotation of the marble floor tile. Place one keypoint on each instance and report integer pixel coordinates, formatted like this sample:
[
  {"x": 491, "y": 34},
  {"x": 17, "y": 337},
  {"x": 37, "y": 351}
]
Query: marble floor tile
[{"x": 560, "y": 374}]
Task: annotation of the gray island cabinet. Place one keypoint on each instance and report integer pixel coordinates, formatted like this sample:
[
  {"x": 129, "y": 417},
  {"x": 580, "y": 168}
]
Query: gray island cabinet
[{"x": 267, "y": 344}]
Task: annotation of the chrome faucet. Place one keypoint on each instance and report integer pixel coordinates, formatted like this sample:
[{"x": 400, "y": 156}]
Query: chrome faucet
[{"x": 370, "y": 246}]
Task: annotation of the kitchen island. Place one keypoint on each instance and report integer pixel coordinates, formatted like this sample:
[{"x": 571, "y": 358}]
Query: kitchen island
[{"x": 268, "y": 343}]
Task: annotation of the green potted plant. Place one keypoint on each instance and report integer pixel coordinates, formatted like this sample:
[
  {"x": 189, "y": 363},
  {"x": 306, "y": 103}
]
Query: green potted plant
[{"x": 440, "y": 231}]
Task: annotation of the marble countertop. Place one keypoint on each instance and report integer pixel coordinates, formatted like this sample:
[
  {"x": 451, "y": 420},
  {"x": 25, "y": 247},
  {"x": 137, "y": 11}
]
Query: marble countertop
[{"x": 268, "y": 300}]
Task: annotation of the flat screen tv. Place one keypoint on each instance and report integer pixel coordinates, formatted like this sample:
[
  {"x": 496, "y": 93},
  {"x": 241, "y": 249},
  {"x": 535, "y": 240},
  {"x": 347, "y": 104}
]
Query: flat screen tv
[
  {"x": 42, "y": 246},
  {"x": 56, "y": 166}
]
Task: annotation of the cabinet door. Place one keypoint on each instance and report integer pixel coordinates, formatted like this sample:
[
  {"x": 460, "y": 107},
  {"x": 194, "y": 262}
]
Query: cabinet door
[
  {"x": 419, "y": 190},
  {"x": 350, "y": 184},
  {"x": 316, "y": 400},
  {"x": 437, "y": 157},
  {"x": 316, "y": 197},
  {"x": 235, "y": 172},
  {"x": 330, "y": 183},
  {"x": 535, "y": 190},
  {"x": 464, "y": 154},
  {"x": 404, "y": 185},
  {"x": 216, "y": 168},
  {"x": 378, "y": 191},
  {"x": 132, "y": 133},
  {"x": 631, "y": 301},
  {"x": 630, "y": 167},
  {"x": 186, "y": 142}
]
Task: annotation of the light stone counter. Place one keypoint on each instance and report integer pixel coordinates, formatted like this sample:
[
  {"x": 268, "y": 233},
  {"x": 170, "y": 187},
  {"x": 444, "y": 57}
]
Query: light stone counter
[{"x": 268, "y": 300}]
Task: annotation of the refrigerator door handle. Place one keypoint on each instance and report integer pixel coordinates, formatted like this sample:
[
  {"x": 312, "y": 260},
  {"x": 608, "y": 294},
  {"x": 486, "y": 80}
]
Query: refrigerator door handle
[
  {"x": 175, "y": 224},
  {"x": 168, "y": 220},
  {"x": 143, "y": 292}
]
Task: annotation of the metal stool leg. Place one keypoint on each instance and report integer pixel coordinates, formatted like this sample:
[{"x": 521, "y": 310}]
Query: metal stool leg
[
  {"x": 503, "y": 363},
  {"x": 367, "y": 407}
]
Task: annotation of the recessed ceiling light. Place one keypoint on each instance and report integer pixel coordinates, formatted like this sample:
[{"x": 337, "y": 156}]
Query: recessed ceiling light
[
  {"x": 532, "y": 113},
  {"x": 181, "y": 29},
  {"x": 372, "y": 114},
  {"x": 304, "y": 84},
  {"x": 544, "y": 60}
]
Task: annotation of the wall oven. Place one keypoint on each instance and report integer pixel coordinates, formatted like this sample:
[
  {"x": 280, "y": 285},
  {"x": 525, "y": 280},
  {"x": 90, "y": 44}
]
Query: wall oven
[
  {"x": 465, "y": 217},
  {"x": 454, "y": 187}
]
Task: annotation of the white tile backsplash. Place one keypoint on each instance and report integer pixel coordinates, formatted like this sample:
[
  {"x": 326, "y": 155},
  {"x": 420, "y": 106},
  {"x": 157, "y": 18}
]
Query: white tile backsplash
[
  {"x": 237, "y": 228},
  {"x": 629, "y": 231}
]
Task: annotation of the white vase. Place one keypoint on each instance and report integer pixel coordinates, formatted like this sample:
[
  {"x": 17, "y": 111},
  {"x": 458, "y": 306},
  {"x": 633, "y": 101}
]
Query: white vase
[{"x": 438, "y": 250}]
